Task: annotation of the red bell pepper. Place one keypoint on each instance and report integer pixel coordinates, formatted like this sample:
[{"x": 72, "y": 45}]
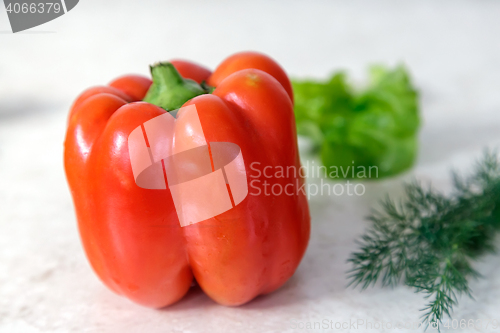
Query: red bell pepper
[{"x": 132, "y": 236}]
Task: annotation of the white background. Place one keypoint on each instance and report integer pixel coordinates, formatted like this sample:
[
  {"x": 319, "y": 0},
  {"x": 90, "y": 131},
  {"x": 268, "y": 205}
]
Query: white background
[{"x": 451, "y": 47}]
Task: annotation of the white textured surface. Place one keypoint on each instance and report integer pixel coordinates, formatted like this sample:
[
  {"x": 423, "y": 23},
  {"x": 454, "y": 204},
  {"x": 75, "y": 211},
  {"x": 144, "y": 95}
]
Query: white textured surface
[{"x": 46, "y": 284}]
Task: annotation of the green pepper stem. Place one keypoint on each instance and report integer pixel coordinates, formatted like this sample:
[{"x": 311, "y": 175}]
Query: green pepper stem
[{"x": 169, "y": 89}]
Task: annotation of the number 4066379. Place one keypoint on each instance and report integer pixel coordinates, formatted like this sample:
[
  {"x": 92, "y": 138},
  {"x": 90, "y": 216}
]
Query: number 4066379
[
  {"x": 47, "y": 7},
  {"x": 471, "y": 323}
]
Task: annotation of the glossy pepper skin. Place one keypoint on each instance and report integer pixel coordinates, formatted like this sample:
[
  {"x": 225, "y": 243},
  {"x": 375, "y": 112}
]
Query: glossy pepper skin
[{"x": 132, "y": 236}]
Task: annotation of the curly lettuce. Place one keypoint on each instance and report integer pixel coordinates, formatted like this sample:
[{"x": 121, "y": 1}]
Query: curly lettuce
[{"x": 373, "y": 128}]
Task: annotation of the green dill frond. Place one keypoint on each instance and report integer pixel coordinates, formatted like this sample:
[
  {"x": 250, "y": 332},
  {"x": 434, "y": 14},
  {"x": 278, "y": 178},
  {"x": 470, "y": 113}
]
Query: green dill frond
[{"x": 429, "y": 240}]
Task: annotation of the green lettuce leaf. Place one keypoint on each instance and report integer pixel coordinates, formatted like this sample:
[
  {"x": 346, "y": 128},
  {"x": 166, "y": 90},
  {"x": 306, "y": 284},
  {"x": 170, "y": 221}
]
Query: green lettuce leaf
[{"x": 371, "y": 129}]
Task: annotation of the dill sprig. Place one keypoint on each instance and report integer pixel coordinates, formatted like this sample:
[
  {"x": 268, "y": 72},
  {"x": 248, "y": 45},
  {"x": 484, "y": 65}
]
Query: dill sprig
[{"x": 429, "y": 240}]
